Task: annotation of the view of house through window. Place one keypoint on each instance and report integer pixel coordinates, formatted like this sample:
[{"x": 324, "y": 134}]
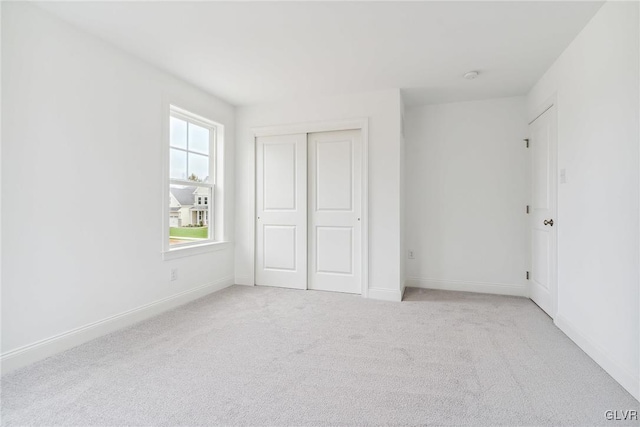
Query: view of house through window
[{"x": 191, "y": 189}]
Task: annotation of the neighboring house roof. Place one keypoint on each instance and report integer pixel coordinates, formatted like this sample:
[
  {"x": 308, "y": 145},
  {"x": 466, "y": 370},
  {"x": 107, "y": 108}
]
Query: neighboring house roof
[
  {"x": 175, "y": 208},
  {"x": 183, "y": 195},
  {"x": 200, "y": 208}
]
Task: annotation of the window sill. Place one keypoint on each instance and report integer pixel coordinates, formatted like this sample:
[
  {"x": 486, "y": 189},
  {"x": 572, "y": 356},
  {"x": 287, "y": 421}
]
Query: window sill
[{"x": 195, "y": 250}]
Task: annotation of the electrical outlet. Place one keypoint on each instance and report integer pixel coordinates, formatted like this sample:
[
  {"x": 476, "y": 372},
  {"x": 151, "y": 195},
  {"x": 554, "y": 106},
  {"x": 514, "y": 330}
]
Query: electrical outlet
[
  {"x": 174, "y": 274},
  {"x": 411, "y": 254}
]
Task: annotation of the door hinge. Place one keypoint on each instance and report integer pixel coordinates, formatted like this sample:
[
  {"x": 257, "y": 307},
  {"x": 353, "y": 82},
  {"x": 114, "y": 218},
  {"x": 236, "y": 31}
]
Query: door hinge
[
  {"x": 527, "y": 208},
  {"x": 527, "y": 142},
  {"x": 527, "y": 275}
]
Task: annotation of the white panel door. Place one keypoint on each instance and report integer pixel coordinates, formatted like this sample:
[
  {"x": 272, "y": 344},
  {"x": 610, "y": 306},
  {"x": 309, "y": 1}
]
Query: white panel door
[
  {"x": 543, "y": 278},
  {"x": 335, "y": 174},
  {"x": 281, "y": 208}
]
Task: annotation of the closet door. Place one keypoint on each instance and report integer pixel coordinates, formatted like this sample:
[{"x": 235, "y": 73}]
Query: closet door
[
  {"x": 281, "y": 207},
  {"x": 335, "y": 173}
]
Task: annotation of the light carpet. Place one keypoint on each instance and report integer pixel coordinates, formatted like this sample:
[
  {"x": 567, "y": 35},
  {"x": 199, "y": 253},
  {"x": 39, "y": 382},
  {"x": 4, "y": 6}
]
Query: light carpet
[{"x": 268, "y": 356}]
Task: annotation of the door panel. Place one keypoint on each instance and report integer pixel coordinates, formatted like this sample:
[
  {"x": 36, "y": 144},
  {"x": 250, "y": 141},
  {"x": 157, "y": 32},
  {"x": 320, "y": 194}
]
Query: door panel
[
  {"x": 335, "y": 166},
  {"x": 335, "y": 250},
  {"x": 542, "y": 140},
  {"x": 281, "y": 207},
  {"x": 540, "y": 262},
  {"x": 279, "y": 176},
  {"x": 334, "y": 183},
  {"x": 279, "y": 247}
]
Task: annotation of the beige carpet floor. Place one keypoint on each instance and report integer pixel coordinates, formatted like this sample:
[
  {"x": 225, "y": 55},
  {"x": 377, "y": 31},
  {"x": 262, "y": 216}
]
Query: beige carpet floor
[{"x": 267, "y": 356}]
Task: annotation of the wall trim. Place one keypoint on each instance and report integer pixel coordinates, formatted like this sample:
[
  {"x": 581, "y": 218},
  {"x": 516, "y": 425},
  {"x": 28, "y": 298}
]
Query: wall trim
[
  {"x": 385, "y": 294},
  {"x": 244, "y": 280},
  {"x": 600, "y": 355},
  {"x": 47, "y": 347},
  {"x": 310, "y": 127},
  {"x": 466, "y": 286}
]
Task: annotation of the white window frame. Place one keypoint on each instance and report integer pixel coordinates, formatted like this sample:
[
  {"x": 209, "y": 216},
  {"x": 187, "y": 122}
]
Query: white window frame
[{"x": 216, "y": 131}]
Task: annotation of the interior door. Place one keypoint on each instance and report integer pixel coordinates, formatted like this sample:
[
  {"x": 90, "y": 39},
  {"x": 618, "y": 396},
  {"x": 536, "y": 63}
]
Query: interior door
[
  {"x": 281, "y": 208},
  {"x": 544, "y": 226},
  {"x": 335, "y": 193}
]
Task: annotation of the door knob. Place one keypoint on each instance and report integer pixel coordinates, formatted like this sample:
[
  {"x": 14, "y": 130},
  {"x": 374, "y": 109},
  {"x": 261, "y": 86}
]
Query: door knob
[{"x": 548, "y": 222}]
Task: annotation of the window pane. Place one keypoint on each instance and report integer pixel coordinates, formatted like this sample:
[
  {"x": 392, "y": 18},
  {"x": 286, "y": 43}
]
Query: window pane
[
  {"x": 188, "y": 220},
  {"x": 198, "y": 167},
  {"x": 178, "y": 133},
  {"x": 178, "y": 164},
  {"x": 198, "y": 139}
]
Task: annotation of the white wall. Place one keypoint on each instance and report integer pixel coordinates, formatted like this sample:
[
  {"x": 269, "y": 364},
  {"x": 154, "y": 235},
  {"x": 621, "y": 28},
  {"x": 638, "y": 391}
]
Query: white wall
[
  {"x": 383, "y": 111},
  {"x": 596, "y": 82},
  {"x": 467, "y": 174},
  {"x": 82, "y": 144}
]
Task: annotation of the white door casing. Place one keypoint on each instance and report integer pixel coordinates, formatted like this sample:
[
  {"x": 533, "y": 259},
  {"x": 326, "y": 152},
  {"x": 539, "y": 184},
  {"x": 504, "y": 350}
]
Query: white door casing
[
  {"x": 544, "y": 223},
  {"x": 335, "y": 203},
  {"x": 281, "y": 209}
]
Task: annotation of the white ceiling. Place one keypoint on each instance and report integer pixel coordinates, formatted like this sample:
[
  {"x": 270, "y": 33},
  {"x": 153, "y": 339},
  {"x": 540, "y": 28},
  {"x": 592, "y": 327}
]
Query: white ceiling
[{"x": 250, "y": 53}]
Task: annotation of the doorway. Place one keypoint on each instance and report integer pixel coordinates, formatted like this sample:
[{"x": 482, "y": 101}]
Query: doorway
[
  {"x": 543, "y": 211},
  {"x": 309, "y": 210}
]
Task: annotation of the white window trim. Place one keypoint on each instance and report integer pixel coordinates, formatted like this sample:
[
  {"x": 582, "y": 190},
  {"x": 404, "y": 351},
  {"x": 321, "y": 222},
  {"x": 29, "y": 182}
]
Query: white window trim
[
  {"x": 215, "y": 241},
  {"x": 202, "y": 248}
]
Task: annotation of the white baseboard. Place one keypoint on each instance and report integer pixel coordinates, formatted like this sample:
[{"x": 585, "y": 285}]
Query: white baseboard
[
  {"x": 619, "y": 373},
  {"x": 244, "y": 280},
  {"x": 39, "y": 350},
  {"x": 460, "y": 285},
  {"x": 385, "y": 294}
]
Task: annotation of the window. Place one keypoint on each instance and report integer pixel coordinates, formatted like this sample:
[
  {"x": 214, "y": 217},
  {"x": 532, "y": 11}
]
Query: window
[{"x": 192, "y": 171}]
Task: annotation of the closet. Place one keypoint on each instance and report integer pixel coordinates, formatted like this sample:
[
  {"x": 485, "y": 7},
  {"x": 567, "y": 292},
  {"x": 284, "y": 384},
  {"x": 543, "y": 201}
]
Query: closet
[{"x": 309, "y": 211}]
